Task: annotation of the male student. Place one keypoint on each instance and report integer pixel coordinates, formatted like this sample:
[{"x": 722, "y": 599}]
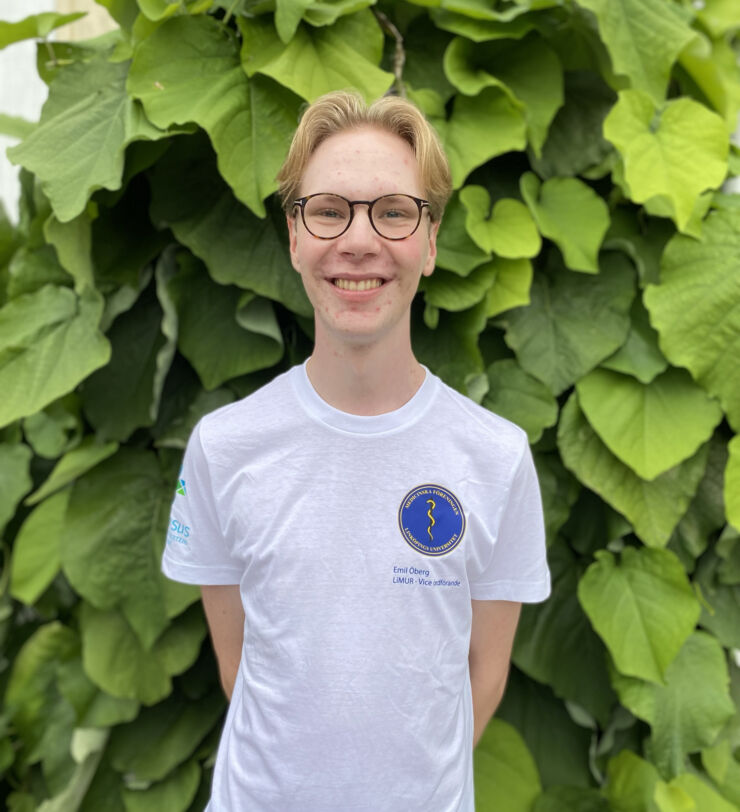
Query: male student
[{"x": 363, "y": 534}]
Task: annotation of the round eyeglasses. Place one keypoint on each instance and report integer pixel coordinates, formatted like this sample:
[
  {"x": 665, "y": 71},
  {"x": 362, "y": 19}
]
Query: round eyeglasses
[{"x": 328, "y": 216}]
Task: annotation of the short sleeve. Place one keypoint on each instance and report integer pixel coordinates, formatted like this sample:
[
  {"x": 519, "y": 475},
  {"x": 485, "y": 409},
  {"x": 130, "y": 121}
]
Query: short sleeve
[
  {"x": 516, "y": 569},
  {"x": 196, "y": 551}
]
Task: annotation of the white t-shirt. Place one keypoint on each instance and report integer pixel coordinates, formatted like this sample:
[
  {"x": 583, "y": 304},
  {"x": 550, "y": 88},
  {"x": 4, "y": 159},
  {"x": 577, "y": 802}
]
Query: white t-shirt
[{"x": 358, "y": 543}]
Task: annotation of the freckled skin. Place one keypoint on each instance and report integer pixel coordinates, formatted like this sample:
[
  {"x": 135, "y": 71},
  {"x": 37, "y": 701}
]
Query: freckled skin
[{"x": 363, "y": 164}]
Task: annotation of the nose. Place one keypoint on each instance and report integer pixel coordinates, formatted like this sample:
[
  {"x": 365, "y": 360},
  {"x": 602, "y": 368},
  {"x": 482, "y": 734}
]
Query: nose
[{"x": 360, "y": 238}]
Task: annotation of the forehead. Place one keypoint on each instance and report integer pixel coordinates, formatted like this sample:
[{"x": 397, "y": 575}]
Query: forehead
[{"x": 362, "y": 162}]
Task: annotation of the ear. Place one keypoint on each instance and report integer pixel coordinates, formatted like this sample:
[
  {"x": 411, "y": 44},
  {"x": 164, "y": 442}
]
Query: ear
[
  {"x": 293, "y": 240},
  {"x": 432, "y": 255}
]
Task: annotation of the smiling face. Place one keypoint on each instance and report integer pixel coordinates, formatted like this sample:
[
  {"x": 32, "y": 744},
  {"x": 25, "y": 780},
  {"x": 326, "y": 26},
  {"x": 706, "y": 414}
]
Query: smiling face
[{"x": 360, "y": 284}]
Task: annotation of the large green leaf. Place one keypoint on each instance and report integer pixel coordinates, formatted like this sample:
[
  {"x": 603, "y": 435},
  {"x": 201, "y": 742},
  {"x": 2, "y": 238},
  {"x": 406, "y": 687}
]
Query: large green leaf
[
  {"x": 653, "y": 508},
  {"x": 556, "y": 644},
  {"x": 218, "y": 342},
  {"x": 643, "y": 608},
  {"x": 125, "y": 394},
  {"x": 480, "y": 128},
  {"x": 650, "y": 427},
  {"x": 732, "y": 483},
  {"x": 511, "y": 285},
  {"x": 452, "y": 292},
  {"x": 670, "y": 155},
  {"x": 689, "y": 710},
  {"x": 36, "y": 558},
  {"x": 644, "y": 39},
  {"x": 189, "y": 70},
  {"x": 189, "y": 196},
  {"x": 72, "y": 465},
  {"x": 175, "y": 793},
  {"x": 86, "y": 124},
  {"x": 574, "y": 141},
  {"x": 528, "y": 71},
  {"x": 56, "y": 429},
  {"x": 640, "y": 355},
  {"x": 49, "y": 342},
  {"x": 699, "y": 291},
  {"x": 508, "y": 230},
  {"x": 113, "y": 538},
  {"x": 571, "y": 799},
  {"x": 573, "y": 322},
  {"x": 572, "y": 215},
  {"x": 517, "y": 396},
  {"x": 318, "y": 60},
  {"x": 506, "y": 777},
  {"x": 15, "y": 478},
  {"x": 37, "y": 25},
  {"x": 163, "y": 737},
  {"x": 456, "y": 250},
  {"x": 115, "y": 660}
]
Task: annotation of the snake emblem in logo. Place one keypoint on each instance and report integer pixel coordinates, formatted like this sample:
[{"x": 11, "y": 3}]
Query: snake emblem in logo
[{"x": 431, "y": 519}]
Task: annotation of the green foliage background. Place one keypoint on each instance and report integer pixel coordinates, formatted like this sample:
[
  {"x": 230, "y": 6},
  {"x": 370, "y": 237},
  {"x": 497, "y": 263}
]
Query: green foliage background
[{"x": 588, "y": 287}]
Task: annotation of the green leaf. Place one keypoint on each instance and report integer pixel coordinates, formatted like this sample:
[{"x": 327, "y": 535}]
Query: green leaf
[
  {"x": 511, "y": 285},
  {"x": 125, "y": 394},
  {"x": 571, "y": 214},
  {"x": 56, "y": 429},
  {"x": 453, "y": 292},
  {"x": 642, "y": 607},
  {"x": 720, "y": 16},
  {"x": 703, "y": 796},
  {"x": 31, "y": 690},
  {"x": 650, "y": 427},
  {"x": 571, "y": 799},
  {"x": 506, "y": 777},
  {"x": 36, "y": 26},
  {"x": 642, "y": 238},
  {"x": 72, "y": 465},
  {"x": 631, "y": 783},
  {"x": 671, "y": 155},
  {"x": 574, "y": 321},
  {"x": 723, "y": 768},
  {"x": 556, "y": 644},
  {"x": 49, "y": 342},
  {"x": 698, "y": 291},
  {"x": 456, "y": 251},
  {"x": 653, "y": 508},
  {"x": 318, "y": 60},
  {"x": 70, "y": 798},
  {"x": 559, "y": 489},
  {"x": 115, "y": 660},
  {"x": 644, "y": 39},
  {"x": 15, "y": 478},
  {"x": 113, "y": 538},
  {"x": 238, "y": 248},
  {"x": 559, "y": 746},
  {"x": 36, "y": 561},
  {"x": 15, "y": 126},
  {"x": 189, "y": 70},
  {"x": 640, "y": 355},
  {"x": 732, "y": 483},
  {"x": 517, "y": 396},
  {"x": 91, "y": 116},
  {"x": 479, "y": 129},
  {"x": 574, "y": 141},
  {"x": 163, "y": 737},
  {"x": 680, "y": 727},
  {"x": 508, "y": 231},
  {"x": 210, "y": 336},
  {"x": 528, "y": 71},
  {"x": 483, "y": 30},
  {"x": 175, "y": 793}
]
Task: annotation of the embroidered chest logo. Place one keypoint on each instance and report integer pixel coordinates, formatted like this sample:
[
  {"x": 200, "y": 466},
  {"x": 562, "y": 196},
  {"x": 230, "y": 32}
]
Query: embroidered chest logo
[{"x": 431, "y": 519}]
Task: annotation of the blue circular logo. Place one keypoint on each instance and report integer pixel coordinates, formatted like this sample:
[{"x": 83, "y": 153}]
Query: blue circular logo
[{"x": 431, "y": 519}]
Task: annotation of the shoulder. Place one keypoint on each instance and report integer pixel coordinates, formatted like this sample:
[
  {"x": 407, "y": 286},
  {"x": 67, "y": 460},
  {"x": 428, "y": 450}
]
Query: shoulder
[{"x": 481, "y": 426}]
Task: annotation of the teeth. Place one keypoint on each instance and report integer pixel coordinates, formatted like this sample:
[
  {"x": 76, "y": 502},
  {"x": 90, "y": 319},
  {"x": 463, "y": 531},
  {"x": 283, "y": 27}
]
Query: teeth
[{"x": 362, "y": 284}]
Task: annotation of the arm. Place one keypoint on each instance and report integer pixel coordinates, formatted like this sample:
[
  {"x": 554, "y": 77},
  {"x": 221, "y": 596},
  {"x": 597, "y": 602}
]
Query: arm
[
  {"x": 225, "y": 615},
  {"x": 491, "y": 639}
]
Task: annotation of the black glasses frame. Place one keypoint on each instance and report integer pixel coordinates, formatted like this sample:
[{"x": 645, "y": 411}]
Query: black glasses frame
[{"x": 301, "y": 203}]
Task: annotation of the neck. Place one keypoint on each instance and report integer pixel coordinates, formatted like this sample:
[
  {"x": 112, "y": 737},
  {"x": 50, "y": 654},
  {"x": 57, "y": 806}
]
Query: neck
[{"x": 364, "y": 379}]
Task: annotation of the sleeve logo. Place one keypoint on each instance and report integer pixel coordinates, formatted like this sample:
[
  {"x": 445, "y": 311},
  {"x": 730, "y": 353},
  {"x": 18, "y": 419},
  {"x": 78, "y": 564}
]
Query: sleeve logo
[{"x": 431, "y": 519}]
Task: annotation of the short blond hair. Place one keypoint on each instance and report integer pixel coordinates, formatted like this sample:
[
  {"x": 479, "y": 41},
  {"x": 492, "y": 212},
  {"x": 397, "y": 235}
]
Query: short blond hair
[{"x": 345, "y": 110}]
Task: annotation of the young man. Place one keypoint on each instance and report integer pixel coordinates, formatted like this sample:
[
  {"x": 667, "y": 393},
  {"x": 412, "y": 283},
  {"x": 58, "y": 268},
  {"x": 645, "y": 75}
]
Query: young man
[{"x": 363, "y": 534}]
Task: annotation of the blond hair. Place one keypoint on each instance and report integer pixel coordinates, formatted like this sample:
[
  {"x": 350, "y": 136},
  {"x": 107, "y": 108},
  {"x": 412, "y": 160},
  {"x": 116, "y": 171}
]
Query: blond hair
[{"x": 344, "y": 110}]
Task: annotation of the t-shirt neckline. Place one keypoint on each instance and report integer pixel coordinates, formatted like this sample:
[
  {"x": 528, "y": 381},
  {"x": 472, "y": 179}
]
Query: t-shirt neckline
[{"x": 399, "y": 418}]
